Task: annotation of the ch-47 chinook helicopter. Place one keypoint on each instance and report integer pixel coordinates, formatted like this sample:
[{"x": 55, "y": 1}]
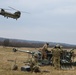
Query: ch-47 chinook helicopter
[{"x": 15, "y": 15}]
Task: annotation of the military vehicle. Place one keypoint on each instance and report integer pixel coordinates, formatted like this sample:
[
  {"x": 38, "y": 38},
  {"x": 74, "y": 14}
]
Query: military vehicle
[
  {"x": 15, "y": 15},
  {"x": 65, "y": 58}
]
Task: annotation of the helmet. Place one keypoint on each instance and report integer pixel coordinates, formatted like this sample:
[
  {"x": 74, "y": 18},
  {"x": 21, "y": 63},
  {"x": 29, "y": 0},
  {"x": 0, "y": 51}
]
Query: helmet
[
  {"x": 61, "y": 46},
  {"x": 47, "y": 43},
  {"x": 58, "y": 46}
]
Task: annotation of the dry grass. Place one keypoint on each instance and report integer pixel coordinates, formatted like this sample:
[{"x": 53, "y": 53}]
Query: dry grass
[{"x": 5, "y": 66}]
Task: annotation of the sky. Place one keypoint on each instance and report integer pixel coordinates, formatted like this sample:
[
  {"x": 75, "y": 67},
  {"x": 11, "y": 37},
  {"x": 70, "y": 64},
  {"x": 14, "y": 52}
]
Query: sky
[{"x": 49, "y": 20}]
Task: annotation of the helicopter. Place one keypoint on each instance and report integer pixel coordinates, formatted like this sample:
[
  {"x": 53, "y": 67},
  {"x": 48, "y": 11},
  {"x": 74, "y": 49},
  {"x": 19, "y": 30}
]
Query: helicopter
[{"x": 14, "y": 15}]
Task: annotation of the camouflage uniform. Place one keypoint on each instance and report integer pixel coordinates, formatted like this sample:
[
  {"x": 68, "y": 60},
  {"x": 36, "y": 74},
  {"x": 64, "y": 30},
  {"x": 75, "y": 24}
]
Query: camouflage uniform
[
  {"x": 43, "y": 51},
  {"x": 34, "y": 64},
  {"x": 73, "y": 55},
  {"x": 56, "y": 57}
]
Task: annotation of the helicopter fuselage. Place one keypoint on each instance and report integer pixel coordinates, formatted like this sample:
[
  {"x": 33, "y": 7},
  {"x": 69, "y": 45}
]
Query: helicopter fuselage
[{"x": 15, "y": 15}]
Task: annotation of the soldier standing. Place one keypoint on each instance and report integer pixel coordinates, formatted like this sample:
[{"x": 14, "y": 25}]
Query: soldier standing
[
  {"x": 73, "y": 55},
  {"x": 56, "y": 56},
  {"x": 44, "y": 50}
]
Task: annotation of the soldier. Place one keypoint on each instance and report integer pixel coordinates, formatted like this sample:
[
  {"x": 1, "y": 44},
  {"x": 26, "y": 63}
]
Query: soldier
[
  {"x": 56, "y": 56},
  {"x": 73, "y": 55},
  {"x": 34, "y": 64},
  {"x": 44, "y": 50}
]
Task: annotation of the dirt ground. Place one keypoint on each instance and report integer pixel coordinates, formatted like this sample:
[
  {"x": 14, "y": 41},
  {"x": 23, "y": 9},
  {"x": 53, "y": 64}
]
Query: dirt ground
[{"x": 6, "y": 54}]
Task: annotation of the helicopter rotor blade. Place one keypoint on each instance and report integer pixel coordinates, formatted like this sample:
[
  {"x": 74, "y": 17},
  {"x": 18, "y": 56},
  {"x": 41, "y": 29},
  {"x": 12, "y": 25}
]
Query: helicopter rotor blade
[
  {"x": 5, "y": 9},
  {"x": 25, "y": 12},
  {"x": 13, "y": 8},
  {"x": 18, "y": 10}
]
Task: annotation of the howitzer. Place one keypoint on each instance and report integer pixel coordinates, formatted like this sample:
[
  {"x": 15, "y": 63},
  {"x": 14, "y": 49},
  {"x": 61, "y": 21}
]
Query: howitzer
[
  {"x": 39, "y": 54},
  {"x": 65, "y": 57}
]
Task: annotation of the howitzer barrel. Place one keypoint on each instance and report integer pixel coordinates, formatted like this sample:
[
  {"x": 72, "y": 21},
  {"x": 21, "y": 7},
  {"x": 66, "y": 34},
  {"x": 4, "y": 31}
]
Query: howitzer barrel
[{"x": 25, "y": 51}]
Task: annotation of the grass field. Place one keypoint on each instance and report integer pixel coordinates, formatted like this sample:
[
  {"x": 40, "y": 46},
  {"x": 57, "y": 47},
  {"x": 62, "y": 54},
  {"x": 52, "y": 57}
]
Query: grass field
[{"x": 5, "y": 65}]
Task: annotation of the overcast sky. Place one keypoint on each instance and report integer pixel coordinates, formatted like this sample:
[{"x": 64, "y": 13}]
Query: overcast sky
[{"x": 49, "y": 20}]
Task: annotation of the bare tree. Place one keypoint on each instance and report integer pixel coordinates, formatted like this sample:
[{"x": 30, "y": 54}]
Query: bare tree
[{"x": 6, "y": 42}]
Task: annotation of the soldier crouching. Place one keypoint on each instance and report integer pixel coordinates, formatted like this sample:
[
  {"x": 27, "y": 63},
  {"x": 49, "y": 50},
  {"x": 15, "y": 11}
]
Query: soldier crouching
[{"x": 34, "y": 64}]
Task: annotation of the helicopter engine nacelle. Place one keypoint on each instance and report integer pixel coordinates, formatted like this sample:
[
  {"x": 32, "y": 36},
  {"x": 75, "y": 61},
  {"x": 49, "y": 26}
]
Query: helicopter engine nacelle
[
  {"x": 18, "y": 13},
  {"x": 2, "y": 11}
]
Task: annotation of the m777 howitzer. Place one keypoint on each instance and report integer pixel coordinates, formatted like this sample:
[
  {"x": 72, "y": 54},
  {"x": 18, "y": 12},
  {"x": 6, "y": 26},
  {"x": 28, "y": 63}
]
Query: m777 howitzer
[
  {"x": 39, "y": 55},
  {"x": 66, "y": 57}
]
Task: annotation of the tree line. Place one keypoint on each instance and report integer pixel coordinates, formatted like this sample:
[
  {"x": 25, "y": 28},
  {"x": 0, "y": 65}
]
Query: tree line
[
  {"x": 15, "y": 43},
  {"x": 9, "y": 43}
]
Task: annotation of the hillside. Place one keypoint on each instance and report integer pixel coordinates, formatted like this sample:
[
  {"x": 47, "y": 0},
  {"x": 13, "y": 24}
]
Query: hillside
[{"x": 29, "y": 43}]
